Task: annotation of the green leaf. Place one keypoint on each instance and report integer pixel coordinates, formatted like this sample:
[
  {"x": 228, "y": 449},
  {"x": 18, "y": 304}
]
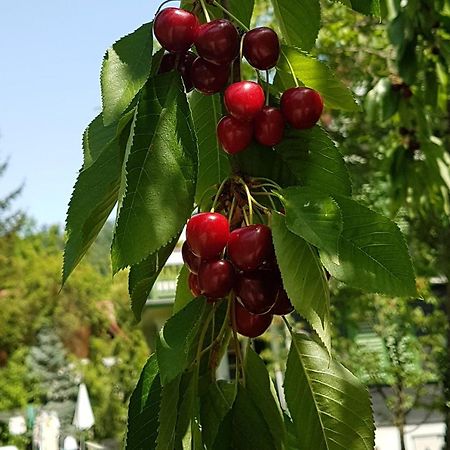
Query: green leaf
[
  {"x": 95, "y": 138},
  {"x": 242, "y": 10},
  {"x": 373, "y": 255},
  {"x": 143, "y": 275},
  {"x": 183, "y": 294},
  {"x": 249, "y": 429},
  {"x": 314, "y": 216},
  {"x": 315, "y": 161},
  {"x": 143, "y": 409},
  {"x": 303, "y": 278},
  {"x": 213, "y": 162},
  {"x": 175, "y": 339},
  {"x": 261, "y": 390},
  {"x": 167, "y": 415},
  {"x": 260, "y": 161},
  {"x": 125, "y": 70},
  {"x": 330, "y": 408},
  {"x": 215, "y": 405},
  {"x": 368, "y": 7},
  {"x": 161, "y": 173},
  {"x": 299, "y": 21},
  {"x": 316, "y": 75},
  {"x": 93, "y": 198}
]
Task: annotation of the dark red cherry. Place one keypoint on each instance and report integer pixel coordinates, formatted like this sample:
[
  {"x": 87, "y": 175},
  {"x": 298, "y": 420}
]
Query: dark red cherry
[
  {"x": 248, "y": 324},
  {"x": 217, "y": 41},
  {"x": 209, "y": 78},
  {"x": 244, "y": 100},
  {"x": 269, "y": 126},
  {"x": 175, "y": 29},
  {"x": 250, "y": 247},
  {"x": 207, "y": 234},
  {"x": 282, "y": 305},
  {"x": 182, "y": 62},
  {"x": 194, "y": 285},
  {"x": 185, "y": 67},
  {"x": 168, "y": 62},
  {"x": 216, "y": 278},
  {"x": 301, "y": 107},
  {"x": 257, "y": 291},
  {"x": 191, "y": 260},
  {"x": 261, "y": 48},
  {"x": 234, "y": 135}
]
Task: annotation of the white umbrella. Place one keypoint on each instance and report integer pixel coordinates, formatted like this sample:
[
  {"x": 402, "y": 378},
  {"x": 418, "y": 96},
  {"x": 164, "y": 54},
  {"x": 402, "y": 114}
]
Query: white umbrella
[{"x": 84, "y": 417}]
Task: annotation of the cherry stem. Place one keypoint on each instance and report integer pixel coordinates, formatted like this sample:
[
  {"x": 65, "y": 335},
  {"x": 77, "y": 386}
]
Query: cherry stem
[
  {"x": 250, "y": 199},
  {"x": 162, "y": 4},
  {"x": 268, "y": 181},
  {"x": 205, "y": 11},
  {"x": 210, "y": 188},
  {"x": 219, "y": 191},
  {"x": 241, "y": 52},
  {"x": 290, "y": 68},
  {"x": 267, "y": 88},
  {"x": 237, "y": 345},
  {"x": 232, "y": 208},
  {"x": 244, "y": 27},
  {"x": 247, "y": 223},
  {"x": 288, "y": 325}
]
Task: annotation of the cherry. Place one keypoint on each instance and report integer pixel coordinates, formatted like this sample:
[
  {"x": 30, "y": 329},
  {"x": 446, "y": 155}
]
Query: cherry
[
  {"x": 261, "y": 48},
  {"x": 250, "y": 247},
  {"x": 244, "y": 100},
  {"x": 217, "y": 41},
  {"x": 209, "y": 78},
  {"x": 234, "y": 135},
  {"x": 301, "y": 107},
  {"x": 194, "y": 285},
  {"x": 175, "y": 29},
  {"x": 207, "y": 234},
  {"x": 257, "y": 291},
  {"x": 181, "y": 62},
  {"x": 248, "y": 324},
  {"x": 216, "y": 278},
  {"x": 282, "y": 305},
  {"x": 269, "y": 126},
  {"x": 191, "y": 260}
]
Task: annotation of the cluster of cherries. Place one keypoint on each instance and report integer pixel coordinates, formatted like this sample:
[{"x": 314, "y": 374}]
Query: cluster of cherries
[
  {"x": 217, "y": 44},
  {"x": 242, "y": 261}
]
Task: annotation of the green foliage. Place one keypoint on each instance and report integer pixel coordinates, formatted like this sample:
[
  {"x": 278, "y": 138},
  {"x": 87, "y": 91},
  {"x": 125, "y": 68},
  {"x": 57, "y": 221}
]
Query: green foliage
[
  {"x": 313, "y": 216},
  {"x": 372, "y": 252},
  {"x": 303, "y": 278},
  {"x": 143, "y": 276},
  {"x": 143, "y": 410},
  {"x": 299, "y": 21},
  {"x": 161, "y": 173},
  {"x": 329, "y": 406},
  {"x": 213, "y": 164},
  {"x": 125, "y": 70},
  {"x": 174, "y": 344}
]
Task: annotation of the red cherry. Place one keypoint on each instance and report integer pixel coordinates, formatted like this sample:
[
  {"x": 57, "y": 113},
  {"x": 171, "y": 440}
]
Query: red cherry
[
  {"x": 217, "y": 41},
  {"x": 282, "y": 305},
  {"x": 257, "y": 291},
  {"x": 194, "y": 285},
  {"x": 250, "y": 247},
  {"x": 191, "y": 260},
  {"x": 209, "y": 78},
  {"x": 207, "y": 234},
  {"x": 248, "y": 324},
  {"x": 244, "y": 100},
  {"x": 261, "y": 48},
  {"x": 269, "y": 126},
  {"x": 234, "y": 135},
  {"x": 301, "y": 107},
  {"x": 168, "y": 62},
  {"x": 175, "y": 29},
  {"x": 216, "y": 278}
]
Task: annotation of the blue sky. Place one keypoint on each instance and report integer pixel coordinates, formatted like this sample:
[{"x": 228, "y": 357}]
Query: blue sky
[{"x": 51, "y": 52}]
